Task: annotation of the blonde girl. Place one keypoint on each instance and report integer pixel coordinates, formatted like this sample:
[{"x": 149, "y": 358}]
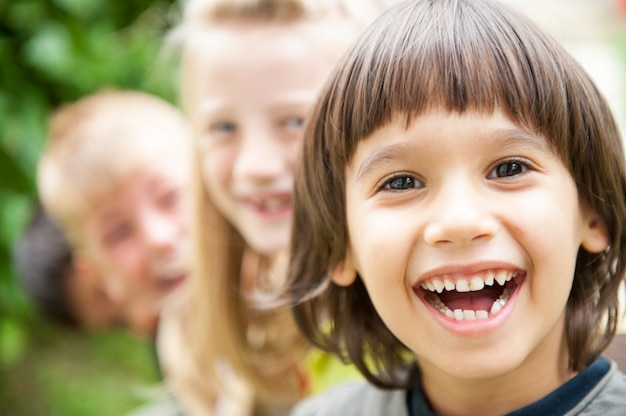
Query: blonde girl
[{"x": 250, "y": 71}]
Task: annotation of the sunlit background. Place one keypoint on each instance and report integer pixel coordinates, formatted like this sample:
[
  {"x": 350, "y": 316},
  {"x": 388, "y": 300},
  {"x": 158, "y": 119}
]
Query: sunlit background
[{"x": 56, "y": 51}]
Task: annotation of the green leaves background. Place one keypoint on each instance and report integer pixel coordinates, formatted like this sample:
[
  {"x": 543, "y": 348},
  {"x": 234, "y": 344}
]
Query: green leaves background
[{"x": 53, "y": 52}]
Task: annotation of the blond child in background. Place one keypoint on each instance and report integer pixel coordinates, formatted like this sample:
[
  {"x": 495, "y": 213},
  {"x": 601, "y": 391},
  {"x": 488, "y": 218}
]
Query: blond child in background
[
  {"x": 459, "y": 221},
  {"x": 113, "y": 175},
  {"x": 250, "y": 72}
]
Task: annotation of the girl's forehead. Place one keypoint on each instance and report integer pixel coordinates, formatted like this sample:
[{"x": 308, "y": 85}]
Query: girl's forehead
[
  {"x": 264, "y": 40},
  {"x": 223, "y": 35},
  {"x": 239, "y": 71}
]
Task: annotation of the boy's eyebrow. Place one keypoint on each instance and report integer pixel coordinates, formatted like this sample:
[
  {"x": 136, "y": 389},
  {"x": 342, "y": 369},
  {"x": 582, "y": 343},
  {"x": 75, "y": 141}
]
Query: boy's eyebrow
[
  {"x": 382, "y": 154},
  {"x": 518, "y": 136},
  {"x": 504, "y": 138}
]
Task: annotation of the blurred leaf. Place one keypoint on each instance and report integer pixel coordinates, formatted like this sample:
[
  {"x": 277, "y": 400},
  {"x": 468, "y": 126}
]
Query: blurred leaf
[
  {"x": 54, "y": 52},
  {"x": 12, "y": 177},
  {"x": 12, "y": 342},
  {"x": 49, "y": 50},
  {"x": 80, "y": 9}
]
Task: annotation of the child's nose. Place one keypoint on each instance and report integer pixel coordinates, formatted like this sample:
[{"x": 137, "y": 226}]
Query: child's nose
[
  {"x": 261, "y": 157},
  {"x": 460, "y": 215},
  {"x": 162, "y": 232}
]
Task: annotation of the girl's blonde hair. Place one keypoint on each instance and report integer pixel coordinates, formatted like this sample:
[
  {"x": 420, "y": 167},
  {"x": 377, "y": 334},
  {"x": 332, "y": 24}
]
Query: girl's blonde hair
[{"x": 263, "y": 347}]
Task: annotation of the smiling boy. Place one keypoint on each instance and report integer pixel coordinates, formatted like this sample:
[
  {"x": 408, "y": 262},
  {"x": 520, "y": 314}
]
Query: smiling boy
[
  {"x": 459, "y": 221},
  {"x": 113, "y": 175}
]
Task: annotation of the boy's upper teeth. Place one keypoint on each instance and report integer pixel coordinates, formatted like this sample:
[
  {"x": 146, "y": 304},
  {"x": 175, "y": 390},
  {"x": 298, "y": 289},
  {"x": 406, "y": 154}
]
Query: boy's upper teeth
[{"x": 470, "y": 284}]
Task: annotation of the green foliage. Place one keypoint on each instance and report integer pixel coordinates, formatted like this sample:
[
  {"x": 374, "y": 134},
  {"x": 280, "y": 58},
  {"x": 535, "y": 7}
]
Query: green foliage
[
  {"x": 54, "y": 52},
  {"x": 75, "y": 373}
]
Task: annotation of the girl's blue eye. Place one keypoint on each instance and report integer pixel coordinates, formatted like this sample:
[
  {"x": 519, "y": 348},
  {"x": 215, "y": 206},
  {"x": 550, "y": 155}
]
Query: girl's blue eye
[
  {"x": 294, "y": 122},
  {"x": 400, "y": 183},
  {"x": 508, "y": 169}
]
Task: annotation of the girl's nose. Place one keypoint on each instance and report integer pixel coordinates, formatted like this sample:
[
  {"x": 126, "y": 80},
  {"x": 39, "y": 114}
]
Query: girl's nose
[
  {"x": 460, "y": 216},
  {"x": 261, "y": 157}
]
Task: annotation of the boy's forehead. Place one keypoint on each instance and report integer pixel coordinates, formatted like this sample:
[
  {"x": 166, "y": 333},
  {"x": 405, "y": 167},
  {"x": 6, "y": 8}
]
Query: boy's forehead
[
  {"x": 150, "y": 175},
  {"x": 123, "y": 200}
]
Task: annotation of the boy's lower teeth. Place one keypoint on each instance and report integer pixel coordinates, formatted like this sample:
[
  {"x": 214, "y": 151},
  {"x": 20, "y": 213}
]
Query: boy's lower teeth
[{"x": 469, "y": 314}]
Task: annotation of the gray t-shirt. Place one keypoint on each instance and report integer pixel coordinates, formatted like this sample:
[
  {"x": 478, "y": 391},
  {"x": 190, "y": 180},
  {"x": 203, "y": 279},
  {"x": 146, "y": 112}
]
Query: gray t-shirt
[{"x": 599, "y": 390}]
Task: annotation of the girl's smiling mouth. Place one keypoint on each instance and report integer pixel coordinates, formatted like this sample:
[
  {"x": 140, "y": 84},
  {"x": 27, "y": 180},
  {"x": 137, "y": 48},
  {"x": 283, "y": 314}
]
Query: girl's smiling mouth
[
  {"x": 270, "y": 205},
  {"x": 478, "y": 296}
]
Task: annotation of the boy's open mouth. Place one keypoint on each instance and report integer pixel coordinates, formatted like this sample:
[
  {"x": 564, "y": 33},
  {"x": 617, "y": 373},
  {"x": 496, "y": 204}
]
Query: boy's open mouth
[{"x": 478, "y": 297}]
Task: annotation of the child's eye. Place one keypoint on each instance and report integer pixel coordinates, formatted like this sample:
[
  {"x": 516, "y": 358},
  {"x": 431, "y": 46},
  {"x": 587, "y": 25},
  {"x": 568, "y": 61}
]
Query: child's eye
[
  {"x": 223, "y": 128},
  {"x": 508, "y": 169},
  {"x": 117, "y": 234},
  {"x": 169, "y": 199},
  {"x": 400, "y": 183},
  {"x": 293, "y": 123}
]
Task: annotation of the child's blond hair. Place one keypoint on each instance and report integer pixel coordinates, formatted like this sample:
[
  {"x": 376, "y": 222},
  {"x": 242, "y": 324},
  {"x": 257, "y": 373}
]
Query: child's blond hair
[
  {"x": 96, "y": 143},
  {"x": 219, "y": 313}
]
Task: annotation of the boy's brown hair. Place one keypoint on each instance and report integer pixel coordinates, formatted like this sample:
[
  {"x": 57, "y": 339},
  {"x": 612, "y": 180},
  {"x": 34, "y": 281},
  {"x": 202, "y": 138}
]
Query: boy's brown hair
[{"x": 456, "y": 56}]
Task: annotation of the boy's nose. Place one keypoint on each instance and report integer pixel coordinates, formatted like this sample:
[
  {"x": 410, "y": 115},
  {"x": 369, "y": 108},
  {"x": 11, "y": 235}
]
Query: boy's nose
[
  {"x": 162, "y": 232},
  {"x": 261, "y": 157},
  {"x": 459, "y": 217}
]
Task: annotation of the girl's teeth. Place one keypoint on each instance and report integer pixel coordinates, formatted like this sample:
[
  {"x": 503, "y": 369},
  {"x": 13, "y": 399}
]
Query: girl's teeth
[{"x": 272, "y": 204}]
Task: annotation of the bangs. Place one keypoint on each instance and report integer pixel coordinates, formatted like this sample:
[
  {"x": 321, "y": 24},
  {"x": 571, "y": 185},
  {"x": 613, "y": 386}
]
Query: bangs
[{"x": 471, "y": 56}]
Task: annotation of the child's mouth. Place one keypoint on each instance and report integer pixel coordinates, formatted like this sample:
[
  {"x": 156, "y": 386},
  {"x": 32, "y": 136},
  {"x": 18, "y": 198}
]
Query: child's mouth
[
  {"x": 272, "y": 205},
  {"x": 480, "y": 296}
]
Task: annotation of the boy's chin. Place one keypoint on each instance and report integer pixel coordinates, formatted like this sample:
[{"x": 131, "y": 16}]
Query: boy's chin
[{"x": 144, "y": 325}]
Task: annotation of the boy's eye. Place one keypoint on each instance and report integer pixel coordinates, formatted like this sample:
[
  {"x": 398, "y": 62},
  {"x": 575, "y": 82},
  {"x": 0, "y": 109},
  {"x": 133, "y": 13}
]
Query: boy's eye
[
  {"x": 508, "y": 169},
  {"x": 223, "y": 128},
  {"x": 169, "y": 199},
  {"x": 403, "y": 182},
  {"x": 117, "y": 234}
]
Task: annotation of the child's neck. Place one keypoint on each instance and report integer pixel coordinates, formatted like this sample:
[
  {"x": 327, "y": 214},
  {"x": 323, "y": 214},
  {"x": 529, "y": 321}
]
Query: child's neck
[
  {"x": 540, "y": 374},
  {"x": 262, "y": 272}
]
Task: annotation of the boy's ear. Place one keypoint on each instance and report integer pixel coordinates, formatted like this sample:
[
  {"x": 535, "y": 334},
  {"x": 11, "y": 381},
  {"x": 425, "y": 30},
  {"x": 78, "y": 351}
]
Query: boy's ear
[
  {"x": 596, "y": 236},
  {"x": 87, "y": 270},
  {"x": 344, "y": 274}
]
